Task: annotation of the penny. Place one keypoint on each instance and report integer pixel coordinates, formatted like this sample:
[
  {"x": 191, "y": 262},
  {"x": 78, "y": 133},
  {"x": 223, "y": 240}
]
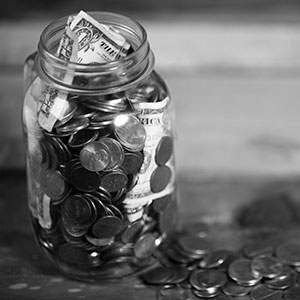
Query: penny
[
  {"x": 114, "y": 181},
  {"x": 94, "y": 156},
  {"x": 132, "y": 231},
  {"x": 160, "y": 204},
  {"x": 77, "y": 208},
  {"x": 53, "y": 184},
  {"x": 164, "y": 150},
  {"x": 266, "y": 266},
  {"x": 115, "y": 151},
  {"x": 107, "y": 227},
  {"x": 130, "y": 132},
  {"x": 289, "y": 253},
  {"x": 144, "y": 246},
  {"x": 240, "y": 271},
  {"x": 99, "y": 242},
  {"x": 261, "y": 292},
  {"x": 82, "y": 137},
  {"x": 233, "y": 289},
  {"x": 132, "y": 162},
  {"x": 85, "y": 180},
  {"x": 160, "y": 178}
]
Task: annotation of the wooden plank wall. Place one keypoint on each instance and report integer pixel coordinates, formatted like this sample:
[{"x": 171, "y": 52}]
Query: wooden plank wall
[{"x": 233, "y": 75}]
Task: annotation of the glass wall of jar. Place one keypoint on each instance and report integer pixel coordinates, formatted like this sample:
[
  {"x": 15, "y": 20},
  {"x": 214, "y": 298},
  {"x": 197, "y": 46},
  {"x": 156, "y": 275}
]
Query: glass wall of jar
[{"x": 99, "y": 153}]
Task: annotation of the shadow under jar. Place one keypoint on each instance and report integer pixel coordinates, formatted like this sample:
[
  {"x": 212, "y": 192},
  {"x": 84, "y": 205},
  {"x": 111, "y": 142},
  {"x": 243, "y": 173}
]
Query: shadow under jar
[{"x": 99, "y": 156}]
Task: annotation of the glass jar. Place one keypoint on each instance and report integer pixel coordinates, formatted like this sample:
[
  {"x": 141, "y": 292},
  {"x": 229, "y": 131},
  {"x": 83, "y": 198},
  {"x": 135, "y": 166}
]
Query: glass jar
[{"x": 99, "y": 156}]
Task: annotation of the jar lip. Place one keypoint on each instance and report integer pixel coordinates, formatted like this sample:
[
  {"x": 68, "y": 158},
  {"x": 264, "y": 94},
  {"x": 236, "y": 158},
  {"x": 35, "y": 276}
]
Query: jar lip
[{"x": 44, "y": 50}]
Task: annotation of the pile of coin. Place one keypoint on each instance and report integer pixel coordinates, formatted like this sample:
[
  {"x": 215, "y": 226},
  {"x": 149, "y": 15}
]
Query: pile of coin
[
  {"x": 84, "y": 168},
  {"x": 190, "y": 268}
]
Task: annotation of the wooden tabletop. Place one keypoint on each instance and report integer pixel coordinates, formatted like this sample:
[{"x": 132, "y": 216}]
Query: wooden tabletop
[{"x": 218, "y": 200}]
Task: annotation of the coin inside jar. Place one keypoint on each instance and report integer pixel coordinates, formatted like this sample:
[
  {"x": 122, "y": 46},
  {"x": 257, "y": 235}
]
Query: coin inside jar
[
  {"x": 130, "y": 132},
  {"x": 160, "y": 178},
  {"x": 95, "y": 156},
  {"x": 115, "y": 151},
  {"x": 164, "y": 150},
  {"x": 114, "y": 181},
  {"x": 107, "y": 227}
]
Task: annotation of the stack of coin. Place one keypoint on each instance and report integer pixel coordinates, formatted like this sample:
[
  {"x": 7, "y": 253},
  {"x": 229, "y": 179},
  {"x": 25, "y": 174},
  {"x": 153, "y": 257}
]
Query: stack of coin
[
  {"x": 190, "y": 268},
  {"x": 87, "y": 164}
]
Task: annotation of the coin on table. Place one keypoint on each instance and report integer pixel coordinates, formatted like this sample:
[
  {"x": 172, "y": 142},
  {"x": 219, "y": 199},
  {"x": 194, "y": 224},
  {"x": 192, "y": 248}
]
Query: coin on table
[
  {"x": 144, "y": 246},
  {"x": 130, "y": 132},
  {"x": 115, "y": 151},
  {"x": 289, "y": 253},
  {"x": 203, "y": 280},
  {"x": 172, "y": 292},
  {"x": 281, "y": 284},
  {"x": 180, "y": 274},
  {"x": 158, "y": 275},
  {"x": 85, "y": 180},
  {"x": 94, "y": 156},
  {"x": 233, "y": 289},
  {"x": 53, "y": 184},
  {"x": 257, "y": 249},
  {"x": 160, "y": 178},
  {"x": 214, "y": 259},
  {"x": 82, "y": 137},
  {"x": 164, "y": 150},
  {"x": 203, "y": 294},
  {"x": 132, "y": 162},
  {"x": 107, "y": 227},
  {"x": 266, "y": 266},
  {"x": 261, "y": 292},
  {"x": 77, "y": 208},
  {"x": 194, "y": 246},
  {"x": 240, "y": 272},
  {"x": 292, "y": 293},
  {"x": 114, "y": 181}
]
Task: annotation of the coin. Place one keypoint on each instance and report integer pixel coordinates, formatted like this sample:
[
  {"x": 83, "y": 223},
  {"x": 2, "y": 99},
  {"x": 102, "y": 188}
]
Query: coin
[
  {"x": 132, "y": 162},
  {"x": 100, "y": 242},
  {"x": 281, "y": 284},
  {"x": 197, "y": 228},
  {"x": 214, "y": 259},
  {"x": 144, "y": 246},
  {"x": 53, "y": 184},
  {"x": 132, "y": 231},
  {"x": 158, "y": 275},
  {"x": 72, "y": 255},
  {"x": 204, "y": 280},
  {"x": 160, "y": 204},
  {"x": 233, "y": 289},
  {"x": 85, "y": 180},
  {"x": 164, "y": 150},
  {"x": 160, "y": 178},
  {"x": 67, "y": 115},
  {"x": 130, "y": 132},
  {"x": 194, "y": 246},
  {"x": 180, "y": 274},
  {"x": 266, "y": 266},
  {"x": 203, "y": 294},
  {"x": 114, "y": 181},
  {"x": 257, "y": 249},
  {"x": 94, "y": 156},
  {"x": 171, "y": 292},
  {"x": 81, "y": 138},
  {"x": 77, "y": 208},
  {"x": 261, "y": 292},
  {"x": 289, "y": 253},
  {"x": 73, "y": 125},
  {"x": 115, "y": 151},
  {"x": 107, "y": 227}
]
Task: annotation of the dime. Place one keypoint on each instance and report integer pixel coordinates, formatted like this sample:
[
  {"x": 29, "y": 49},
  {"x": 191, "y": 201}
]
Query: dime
[
  {"x": 160, "y": 178},
  {"x": 240, "y": 271},
  {"x": 85, "y": 180},
  {"x": 266, "y": 266},
  {"x": 164, "y": 150},
  {"x": 53, "y": 184},
  {"x": 261, "y": 292},
  {"x": 77, "y": 208},
  {"x": 144, "y": 246},
  {"x": 130, "y": 132},
  {"x": 289, "y": 253},
  {"x": 114, "y": 181},
  {"x": 107, "y": 227},
  {"x": 94, "y": 156},
  {"x": 132, "y": 162}
]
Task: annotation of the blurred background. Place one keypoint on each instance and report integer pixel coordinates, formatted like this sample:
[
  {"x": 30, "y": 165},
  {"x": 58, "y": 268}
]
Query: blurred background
[{"x": 232, "y": 66}]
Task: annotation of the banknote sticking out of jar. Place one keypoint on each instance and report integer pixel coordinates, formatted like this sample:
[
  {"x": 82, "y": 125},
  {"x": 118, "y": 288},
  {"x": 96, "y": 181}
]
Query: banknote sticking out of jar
[{"x": 98, "y": 125}]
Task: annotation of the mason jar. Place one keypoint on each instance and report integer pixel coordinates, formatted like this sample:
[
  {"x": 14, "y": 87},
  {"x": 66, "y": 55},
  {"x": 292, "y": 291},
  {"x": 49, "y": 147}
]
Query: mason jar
[{"x": 99, "y": 141}]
